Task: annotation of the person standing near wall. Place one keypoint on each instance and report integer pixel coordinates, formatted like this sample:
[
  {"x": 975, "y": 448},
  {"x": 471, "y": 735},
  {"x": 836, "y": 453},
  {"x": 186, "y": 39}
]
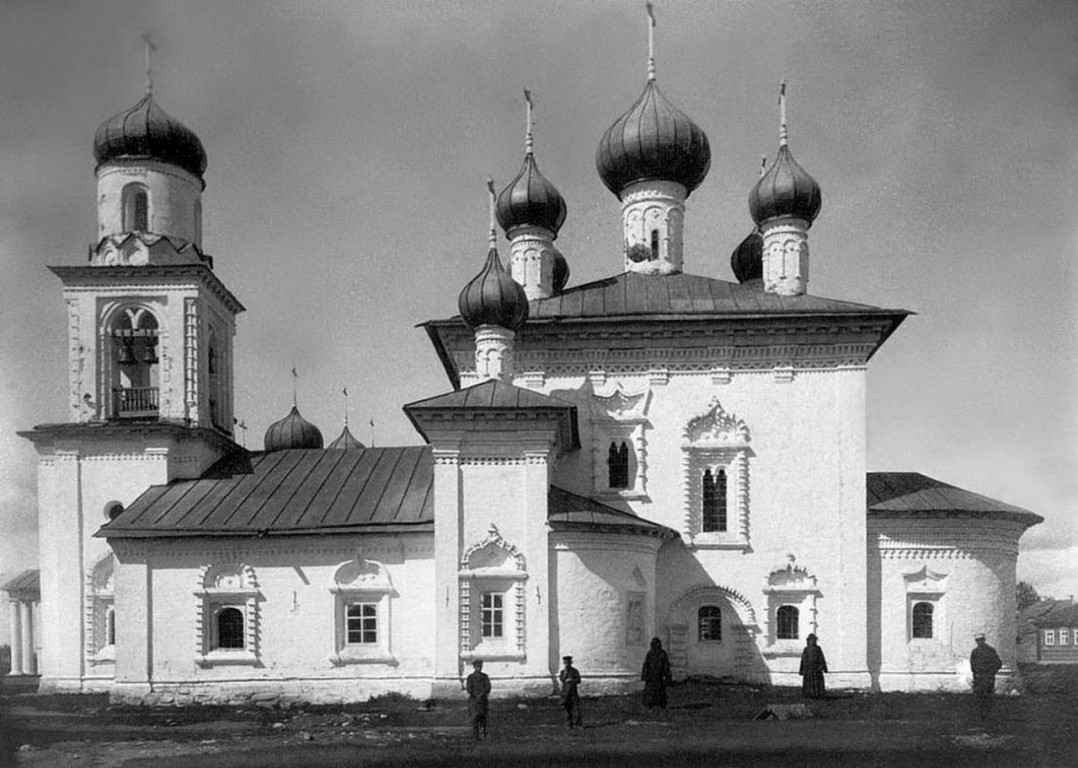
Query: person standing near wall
[
  {"x": 570, "y": 696},
  {"x": 478, "y": 687},
  {"x": 656, "y": 675},
  {"x": 984, "y": 662},
  {"x": 813, "y": 667}
]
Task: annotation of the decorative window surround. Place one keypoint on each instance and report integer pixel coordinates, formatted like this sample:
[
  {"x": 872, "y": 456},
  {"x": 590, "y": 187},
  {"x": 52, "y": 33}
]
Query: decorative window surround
[
  {"x": 635, "y": 605},
  {"x": 926, "y": 586},
  {"x": 790, "y": 585},
  {"x": 100, "y": 613},
  {"x": 492, "y": 565},
  {"x": 716, "y": 440},
  {"x": 360, "y": 581},
  {"x": 616, "y": 417},
  {"x": 226, "y": 586}
]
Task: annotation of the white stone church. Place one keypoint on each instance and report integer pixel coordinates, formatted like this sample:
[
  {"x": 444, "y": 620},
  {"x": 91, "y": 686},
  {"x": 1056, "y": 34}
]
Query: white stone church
[{"x": 655, "y": 454}]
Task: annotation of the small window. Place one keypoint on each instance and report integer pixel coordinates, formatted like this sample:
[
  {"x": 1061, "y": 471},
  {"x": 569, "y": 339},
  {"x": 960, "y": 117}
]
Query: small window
[
  {"x": 710, "y": 623},
  {"x": 492, "y": 619},
  {"x": 361, "y": 624},
  {"x": 1049, "y": 637},
  {"x": 922, "y": 620},
  {"x": 654, "y": 244},
  {"x": 110, "y": 626},
  {"x": 634, "y": 621},
  {"x": 786, "y": 623},
  {"x": 1063, "y": 637},
  {"x": 714, "y": 500},
  {"x": 136, "y": 208},
  {"x": 618, "y": 465},
  {"x": 230, "y": 628}
]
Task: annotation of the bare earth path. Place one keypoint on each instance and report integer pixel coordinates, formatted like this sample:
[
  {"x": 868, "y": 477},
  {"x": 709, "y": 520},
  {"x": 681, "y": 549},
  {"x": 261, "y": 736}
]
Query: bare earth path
[{"x": 706, "y": 724}]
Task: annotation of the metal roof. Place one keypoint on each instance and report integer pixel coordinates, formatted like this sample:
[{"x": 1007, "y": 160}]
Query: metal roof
[
  {"x": 631, "y": 293},
  {"x": 911, "y": 494},
  {"x": 1062, "y": 614},
  {"x": 290, "y": 492},
  {"x": 26, "y": 584},
  {"x": 568, "y": 511}
]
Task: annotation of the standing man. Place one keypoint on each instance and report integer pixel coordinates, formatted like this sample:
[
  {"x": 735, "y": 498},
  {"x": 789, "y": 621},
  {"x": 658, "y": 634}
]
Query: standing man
[
  {"x": 478, "y": 687},
  {"x": 570, "y": 697},
  {"x": 985, "y": 663},
  {"x": 656, "y": 675}
]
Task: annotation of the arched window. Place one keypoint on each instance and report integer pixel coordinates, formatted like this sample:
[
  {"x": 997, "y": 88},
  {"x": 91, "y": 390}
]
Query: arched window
[
  {"x": 786, "y": 623},
  {"x": 135, "y": 385},
  {"x": 110, "y": 626},
  {"x": 709, "y": 619},
  {"x": 922, "y": 620},
  {"x": 230, "y": 628},
  {"x": 618, "y": 464},
  {"x": 654, "y": 244},
  {"x": 713, "y": 494},
  {"x": 136, "y": 208},
  {"x": 198, "y": 222}
]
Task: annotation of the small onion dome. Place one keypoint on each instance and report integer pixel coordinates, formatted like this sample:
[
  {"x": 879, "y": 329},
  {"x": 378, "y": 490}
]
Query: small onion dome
[
  {"x": 293, "y": 431},
  {"x": 785, "y": 190},
  {"x": 747, "y": 260},
  {"x": 146, "y": 131},
  {"x": 530, "y": 200},
  {"x": 346, "y": 442},
  {"x": 653, "y": 140},
  {"x": 561, "y": 272},
  {"x": 493, "y": 297}
]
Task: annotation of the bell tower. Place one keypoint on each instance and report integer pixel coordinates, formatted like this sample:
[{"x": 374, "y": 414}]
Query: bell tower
[{"x": 150, "y": 329}]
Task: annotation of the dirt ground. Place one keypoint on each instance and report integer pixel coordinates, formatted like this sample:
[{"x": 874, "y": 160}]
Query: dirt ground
[{"x": 707, "y": 723}]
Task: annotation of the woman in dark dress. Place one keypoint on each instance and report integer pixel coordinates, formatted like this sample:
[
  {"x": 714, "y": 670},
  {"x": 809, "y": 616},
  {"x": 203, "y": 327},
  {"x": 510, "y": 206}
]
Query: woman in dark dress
[
  {"x": 813, "y": 666},
  {"x": 656, "y": 675}
]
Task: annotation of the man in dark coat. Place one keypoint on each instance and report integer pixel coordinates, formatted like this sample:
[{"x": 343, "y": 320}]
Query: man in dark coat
[
  {"x": 656, "y": 675},
  {"x": 984, "y": 662},
  {"x": 570, "y": 696},
  {"x": 813, "y": 667},
  {"x": 478, "y": 687}
]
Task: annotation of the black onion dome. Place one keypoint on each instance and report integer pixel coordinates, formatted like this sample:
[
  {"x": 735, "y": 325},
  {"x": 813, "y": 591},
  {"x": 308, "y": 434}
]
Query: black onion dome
[
  {"x": 146, "y": 131},
  {"x": 346, "y": 441},
  {"x": 293, "y": 431},
  {"x": 653, "y": 140},
  {"x": 561, "y": 272},
  {"x": 785, "y": 190},
  {"x": 493, "y": 297},
  {"x": 747, "y": 260},
  {"x": 530, "y": 200}
]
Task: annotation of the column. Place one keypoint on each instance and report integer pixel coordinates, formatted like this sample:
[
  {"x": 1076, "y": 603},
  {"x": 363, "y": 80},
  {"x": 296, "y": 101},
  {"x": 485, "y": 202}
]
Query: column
[
  {"x": 27, "y": 637},
  {"x": 16, "y": 640}
]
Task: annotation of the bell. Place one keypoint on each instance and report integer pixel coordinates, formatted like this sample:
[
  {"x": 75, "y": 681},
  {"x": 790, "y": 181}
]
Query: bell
[
  {"x": 150, "y": 355},
  {"x": 127, "y": 354}
]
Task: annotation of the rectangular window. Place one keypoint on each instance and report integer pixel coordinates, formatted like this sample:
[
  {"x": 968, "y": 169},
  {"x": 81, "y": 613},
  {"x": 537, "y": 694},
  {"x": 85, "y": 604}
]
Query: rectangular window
[
  {"x": 1049, "y": 637},
  {"x": 634, "y": 620},
  {"x": 492, "y": 618},
  {"x": 1062, "y": 637},
  {"x": 361, "y": 624},
  {"x": 714, "y": 500}
]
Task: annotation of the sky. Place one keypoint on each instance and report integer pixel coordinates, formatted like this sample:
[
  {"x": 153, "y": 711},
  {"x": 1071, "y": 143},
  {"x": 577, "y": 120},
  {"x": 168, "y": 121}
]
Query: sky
[{"x": 349, "y": 145}]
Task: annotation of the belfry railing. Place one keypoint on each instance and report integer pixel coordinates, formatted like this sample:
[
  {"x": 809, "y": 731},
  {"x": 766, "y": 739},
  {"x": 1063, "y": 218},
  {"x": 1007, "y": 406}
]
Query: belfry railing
[{"x": 134, "y": 402}]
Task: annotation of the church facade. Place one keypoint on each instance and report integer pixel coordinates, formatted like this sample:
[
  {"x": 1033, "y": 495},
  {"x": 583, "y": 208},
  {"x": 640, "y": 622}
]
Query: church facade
[{"x": 656, "y": 454}]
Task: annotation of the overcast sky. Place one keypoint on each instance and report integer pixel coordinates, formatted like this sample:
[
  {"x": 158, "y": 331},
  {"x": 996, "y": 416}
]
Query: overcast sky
[{"x": 349, "y": 143}]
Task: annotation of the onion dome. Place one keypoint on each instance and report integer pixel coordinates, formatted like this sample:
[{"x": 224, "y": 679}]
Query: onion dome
[
  {"x": 493, "y": 297},
  {"x": 785, "y": 190},
  {"x": 530, "y": 200},
  {"x": 145, "y": 131},
  {"x": 747, "y": 260},
  {"x": 292, "y": 432},
  {"x": 346, "y": 441},
  {"x": 561, "y": 272},
  {"x": 654, "y": 140}
]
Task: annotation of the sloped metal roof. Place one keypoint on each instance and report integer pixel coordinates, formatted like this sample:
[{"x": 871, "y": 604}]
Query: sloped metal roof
[
  {"x": 26, "y": 584},
  {"x": 631, "y": 293},
  {"x": 911, "y": 494},
  {"x": 569, "y": 511},
  {"x": 290, "y": 492}
]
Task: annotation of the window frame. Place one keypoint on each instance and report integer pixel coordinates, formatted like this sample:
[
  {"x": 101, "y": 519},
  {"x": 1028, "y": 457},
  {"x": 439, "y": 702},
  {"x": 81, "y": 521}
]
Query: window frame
[
  {"x": 788, "y": 610},
  {"x": 362, "y": 582},
  {"x": 1049, "y": 637},
  {"x": 492, "y": 565},
  {"x": 130, "y": 211},
  {"x": 617, "y": 416},
  {"x": 223, "y": 586},
  {"x": 712, "y": 622},
  {"x": 930, "y": 605}
]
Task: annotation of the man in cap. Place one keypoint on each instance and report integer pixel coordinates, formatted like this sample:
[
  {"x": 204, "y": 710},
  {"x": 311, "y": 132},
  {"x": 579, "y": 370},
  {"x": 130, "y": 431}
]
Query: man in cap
[
  {"x": 570, "y": 697},
  {"x": 478, "y": 687},
  {"x": 984, "y": 662}
]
